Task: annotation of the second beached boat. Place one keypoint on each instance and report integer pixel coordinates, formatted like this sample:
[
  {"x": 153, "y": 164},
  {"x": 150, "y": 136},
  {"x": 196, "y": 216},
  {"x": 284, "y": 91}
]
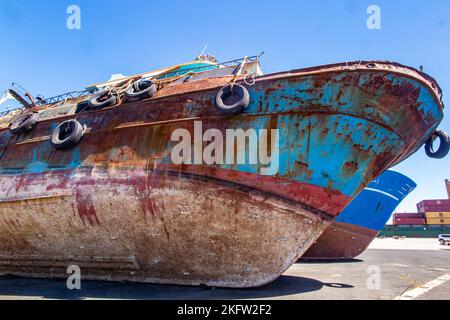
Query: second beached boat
[{"x": 361, "y": 221}]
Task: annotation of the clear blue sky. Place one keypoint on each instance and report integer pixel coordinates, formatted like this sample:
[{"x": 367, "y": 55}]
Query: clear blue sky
[{"x": 39, "y": 52}]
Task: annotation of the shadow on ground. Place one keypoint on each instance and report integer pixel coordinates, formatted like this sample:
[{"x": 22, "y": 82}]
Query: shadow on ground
[
  {"x": 24, "y": 288},
  {"x": 312, "y": 261}
]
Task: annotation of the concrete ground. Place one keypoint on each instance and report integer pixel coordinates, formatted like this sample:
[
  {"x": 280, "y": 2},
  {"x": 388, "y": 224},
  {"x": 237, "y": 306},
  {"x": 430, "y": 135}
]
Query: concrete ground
[{"x": 387, "y": 270}]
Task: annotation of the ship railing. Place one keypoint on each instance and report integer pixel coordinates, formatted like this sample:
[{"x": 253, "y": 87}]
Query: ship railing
[
  {"x": 52, "y": 100},
  {"x": 6, "y": 112},
  {"x": 78, "y": 94},
  {"x": 235, "y": 62},
  {"x": 63, "y": 97},
  {"x": 239, "y": 61}
]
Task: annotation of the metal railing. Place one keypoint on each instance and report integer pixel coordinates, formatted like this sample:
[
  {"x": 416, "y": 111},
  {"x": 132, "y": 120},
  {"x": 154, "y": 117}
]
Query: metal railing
[
  {"x": 236, "y": 62},
  {"x": 63, "y": 97},
  {"x": 4, "y": 113},
  {"x": 52, "y": 100},
  {"x": 175, "y": 73}
]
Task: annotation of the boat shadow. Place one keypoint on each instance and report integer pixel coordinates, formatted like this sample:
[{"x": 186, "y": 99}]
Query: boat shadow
[
  {"x": 312, "y": 261},
  {"x": 23, "y": 288}
]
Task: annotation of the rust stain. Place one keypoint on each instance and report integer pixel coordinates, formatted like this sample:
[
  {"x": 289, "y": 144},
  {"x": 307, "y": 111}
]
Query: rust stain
[
  {"x": 350, "y": 167},
  {"x": 147, "y": 206},
  {"x": 86, "y": 209}
]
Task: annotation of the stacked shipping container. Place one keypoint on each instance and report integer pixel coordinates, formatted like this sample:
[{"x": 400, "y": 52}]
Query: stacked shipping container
[
  {"x": 433, "y": 218},
  {"x": 409, "y": 219},
  {"x": 435, "y": 212},
  {"x": 434, "y": 206},
  {"x": 430, "y": 212}
]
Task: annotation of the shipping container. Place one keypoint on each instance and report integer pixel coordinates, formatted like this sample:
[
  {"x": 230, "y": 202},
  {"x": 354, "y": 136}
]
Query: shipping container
[
  {"x": 428, "y": 208},
  {"x": 414, "y": 215},
  {"x": 439, "y": 202},
  {"x": 437, "y": 215},
  {"x": 409, "y": 221},
  {"x": 438, "y": 221}
]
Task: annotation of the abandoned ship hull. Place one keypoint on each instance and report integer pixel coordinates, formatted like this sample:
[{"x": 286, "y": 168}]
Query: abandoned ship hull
[
  {"x": 117, "y": 205},
  {"x": 151, "y": 228}
]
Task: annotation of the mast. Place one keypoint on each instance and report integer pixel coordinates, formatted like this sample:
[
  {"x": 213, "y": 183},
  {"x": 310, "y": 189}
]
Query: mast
[{"x": 16, "y": 95}]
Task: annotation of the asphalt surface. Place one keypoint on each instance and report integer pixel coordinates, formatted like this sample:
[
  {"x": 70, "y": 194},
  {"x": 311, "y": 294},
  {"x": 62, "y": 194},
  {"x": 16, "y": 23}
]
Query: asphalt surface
[{"x": 386, "y": 271}]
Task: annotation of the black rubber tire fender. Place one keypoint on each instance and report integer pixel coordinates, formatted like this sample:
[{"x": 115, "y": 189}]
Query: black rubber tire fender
[
  {"x": 232, "y": 100},
  {"x": 141, "y": 89},
  {"x": 96, "y": 103},
  {"x": 24, "y": 123},
  {"x": 72, "y": 132},
  {"x": 444, "y": 145}
]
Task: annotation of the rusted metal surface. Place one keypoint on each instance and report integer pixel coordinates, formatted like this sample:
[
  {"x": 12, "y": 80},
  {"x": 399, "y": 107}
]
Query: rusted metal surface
[
  {"x": 341, "y": 241},
  {"x": 21, "y": 100},
  {"x": 117, "y": 196},
  {"x": 182, "y": 230}
]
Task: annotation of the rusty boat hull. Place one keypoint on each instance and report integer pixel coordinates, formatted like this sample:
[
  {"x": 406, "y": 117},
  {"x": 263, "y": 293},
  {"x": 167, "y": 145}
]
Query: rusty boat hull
[
  {"x": 118, "y": 207},
  {"x": 359, "y": 224},
  {"x": 153, "y": 229}
]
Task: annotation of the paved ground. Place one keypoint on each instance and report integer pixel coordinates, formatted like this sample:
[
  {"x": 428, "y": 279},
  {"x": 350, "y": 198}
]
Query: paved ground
[
  {"x": 407, "y": 244},
  {"x": 400, "y": 264}
]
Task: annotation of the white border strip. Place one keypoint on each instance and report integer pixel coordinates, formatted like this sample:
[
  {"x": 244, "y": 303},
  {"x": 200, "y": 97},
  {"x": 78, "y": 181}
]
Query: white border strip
[
  {"x": 417, "y": 292},
  {"x": 383, "y": 193}
]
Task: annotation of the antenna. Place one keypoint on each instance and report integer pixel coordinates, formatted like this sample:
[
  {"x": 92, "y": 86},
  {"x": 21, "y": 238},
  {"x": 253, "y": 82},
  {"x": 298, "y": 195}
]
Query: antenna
[{"x": 203, "y": 51}]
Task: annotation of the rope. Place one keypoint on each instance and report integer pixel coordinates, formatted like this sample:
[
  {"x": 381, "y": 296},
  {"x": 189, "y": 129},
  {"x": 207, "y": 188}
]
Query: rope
[
  {"x": 161, "y": 83},
  {"x": 233, "y": 80}
]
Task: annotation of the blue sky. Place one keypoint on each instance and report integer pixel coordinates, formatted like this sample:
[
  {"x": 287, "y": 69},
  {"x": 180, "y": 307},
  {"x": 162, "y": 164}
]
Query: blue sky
[{"x": 39, "y": 52}]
